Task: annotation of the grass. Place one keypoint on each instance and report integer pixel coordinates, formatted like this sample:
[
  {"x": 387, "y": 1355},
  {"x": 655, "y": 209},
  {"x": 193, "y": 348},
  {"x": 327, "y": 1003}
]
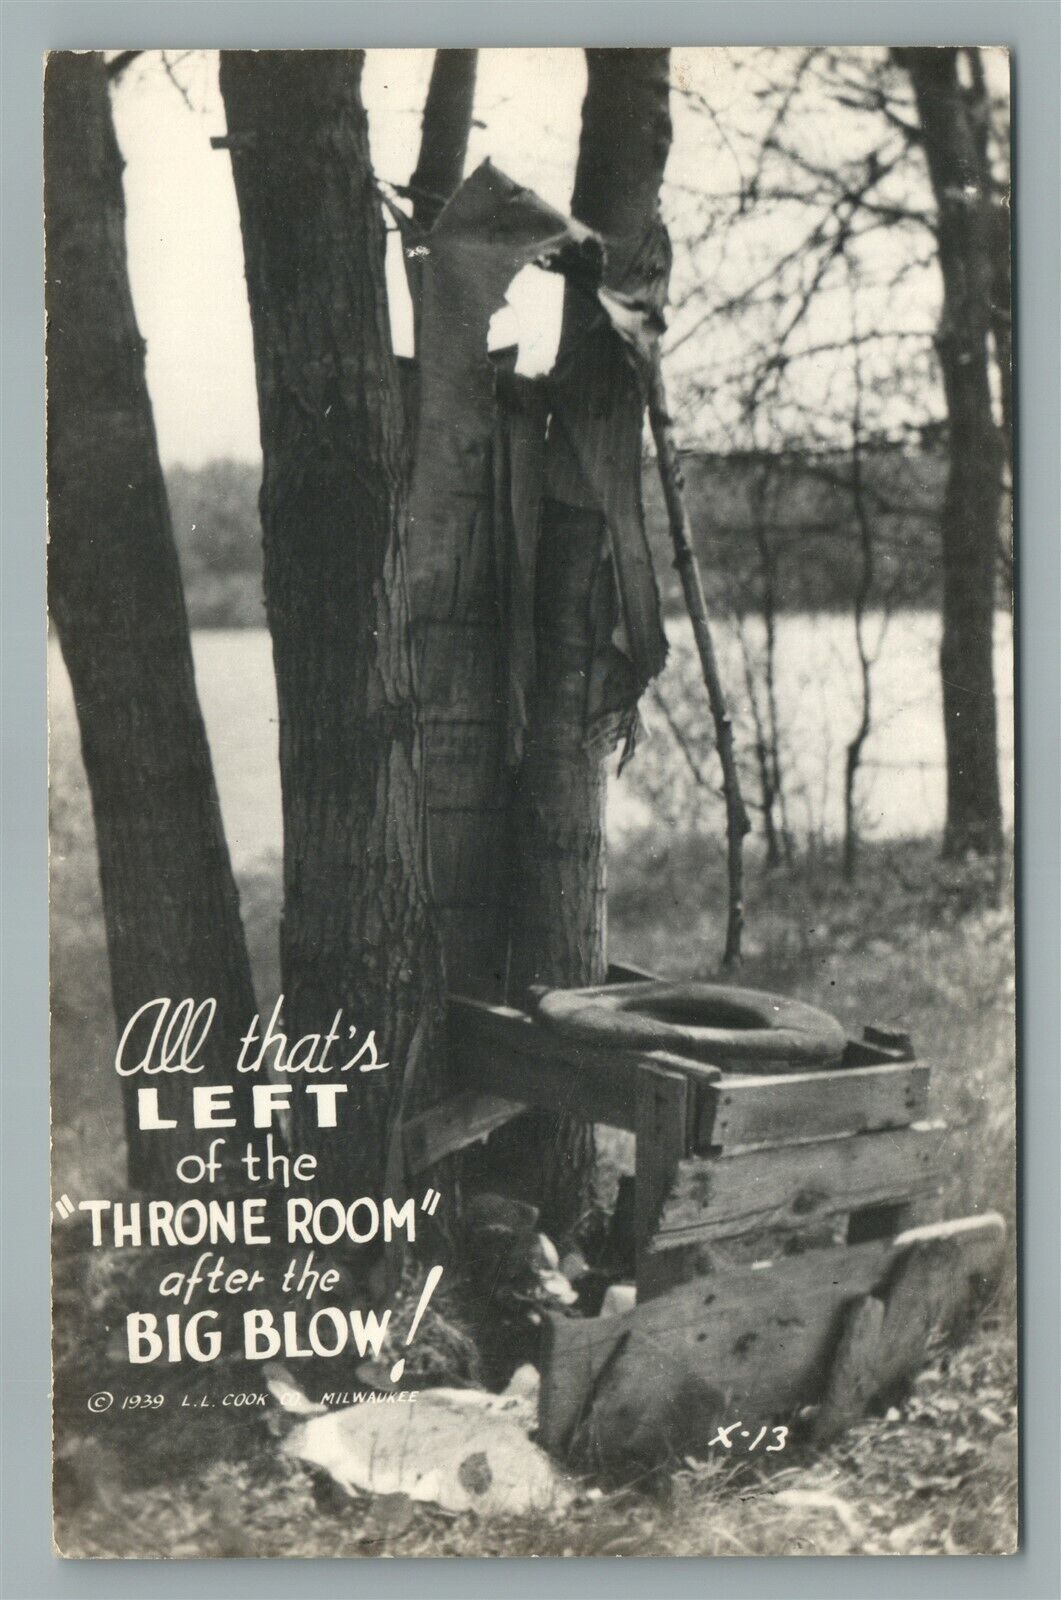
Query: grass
[{"x": 912, "y": 944}]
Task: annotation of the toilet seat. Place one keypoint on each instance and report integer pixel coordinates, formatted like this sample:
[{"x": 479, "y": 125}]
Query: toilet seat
[{"x": 711, "y": 1022}]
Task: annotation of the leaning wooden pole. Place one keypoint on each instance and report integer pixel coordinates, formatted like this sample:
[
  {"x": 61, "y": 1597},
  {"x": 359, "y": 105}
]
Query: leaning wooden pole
[{"x": 737, "y": 824}]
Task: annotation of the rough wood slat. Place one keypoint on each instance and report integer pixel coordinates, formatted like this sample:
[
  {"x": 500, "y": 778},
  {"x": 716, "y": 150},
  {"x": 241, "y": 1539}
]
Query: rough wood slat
[
  {"x": 759, "y": 1333},
  {"x": 928, "y": 1287},
  {"x": 662, "y": 1114},
  {"x": 499, "y": 1050},
  {"x": 453, "y": 1125},
  {"x": 744, "y": 1109},
  {"x": 793, "y": 1185},
  {"x": 764, "y": 1336},
  {"x": 853, "y": 1374}
]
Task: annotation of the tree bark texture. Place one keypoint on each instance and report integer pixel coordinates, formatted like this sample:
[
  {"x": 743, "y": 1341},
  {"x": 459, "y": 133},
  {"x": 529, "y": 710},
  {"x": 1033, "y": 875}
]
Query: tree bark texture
[
  {"x": 473, "y": 524},
  {"x": 598, "y": 634},
  {"x": 967, "y": 236},
  {"x": 356, "y": 928},
  {"x": 589, "y": 580},
  {"x": 169, "y": 898}
]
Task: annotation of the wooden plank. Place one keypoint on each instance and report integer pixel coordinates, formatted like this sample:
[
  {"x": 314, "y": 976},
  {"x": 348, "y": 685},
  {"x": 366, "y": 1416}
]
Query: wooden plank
[
  {"x": 499, "y": 1050},
  {"x": 453, "y": 1125},
  {"x": 763, "y": 1335},
  {"x": 662, "y": 1114},
  {"x": 747, "y": 1109},
  {"x": 852, "y": 1378},
  {"x": 659, "y": 1271},
  {"x": 932, "y": 1284},
  {"x": 759, "y": 1334},
  {"x": 789, "y": 1186}
]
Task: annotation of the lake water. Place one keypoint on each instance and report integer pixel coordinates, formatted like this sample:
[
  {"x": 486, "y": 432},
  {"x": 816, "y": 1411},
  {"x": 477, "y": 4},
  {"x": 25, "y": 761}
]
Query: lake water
[{"x": 902, "y": 790}]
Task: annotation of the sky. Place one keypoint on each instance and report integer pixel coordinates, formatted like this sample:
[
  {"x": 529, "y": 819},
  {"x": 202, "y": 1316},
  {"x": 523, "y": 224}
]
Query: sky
[{"x": 185, "y": 252}]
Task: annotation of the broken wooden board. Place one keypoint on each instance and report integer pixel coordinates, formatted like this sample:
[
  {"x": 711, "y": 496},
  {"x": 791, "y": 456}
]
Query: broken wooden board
[
  {"x": 927, "y": 1287},
  {"x": 886, "y": 1335},
  {"x": 743, "y": 1109},
  {"x": 790, "y": 1186},
  {"x": 501, "y": 1051},
  {"x": 763, "y": 1335},
  {"x": 661, "y": 1116},
  {"x": 853, "y": 1377},
  {"x": 456, "y": 1123}
]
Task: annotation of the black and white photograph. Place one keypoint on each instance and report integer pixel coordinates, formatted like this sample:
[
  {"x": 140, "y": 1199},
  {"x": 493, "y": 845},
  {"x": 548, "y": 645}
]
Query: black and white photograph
[{"x": 531, "y": 801}]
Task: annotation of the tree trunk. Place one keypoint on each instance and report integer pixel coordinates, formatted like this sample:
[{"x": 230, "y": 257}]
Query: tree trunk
[
  {"x": 356, "y": 930},
  {"x": 558, "y": 933},
  {"x": 863, "y": 592},
  {"x": 454, "y": 570},
  {"x": 444, "y": 131},
  {"x": 970, "y": 518},
  {"x": 444, "y": 138},
  {"x": 737, "y": 824},
  {"x": 169, "y": 898}
]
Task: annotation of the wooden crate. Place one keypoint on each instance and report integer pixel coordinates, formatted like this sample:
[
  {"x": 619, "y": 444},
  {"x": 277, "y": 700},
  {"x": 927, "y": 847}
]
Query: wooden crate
[{"x": 782, "y": 1158}]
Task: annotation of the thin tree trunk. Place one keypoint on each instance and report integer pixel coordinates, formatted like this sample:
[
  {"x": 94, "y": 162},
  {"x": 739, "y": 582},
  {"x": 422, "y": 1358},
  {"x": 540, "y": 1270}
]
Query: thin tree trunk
[
  {"x": 767, "y": 732},
  {"x": 737, "y": 824},
  {"x": 356, "y": 930},
  {"x": 444, "y": 131},
  {"x": 1001, "y": 247},
  {"x": 444, "y": 136},
  {"x": 763, "y": 763},
  {"x": 863, "y": 590},
  {"x": 970, "y": 517},
  {"x": 169, "y": 897},
  {"x": 558, "y": 932}
]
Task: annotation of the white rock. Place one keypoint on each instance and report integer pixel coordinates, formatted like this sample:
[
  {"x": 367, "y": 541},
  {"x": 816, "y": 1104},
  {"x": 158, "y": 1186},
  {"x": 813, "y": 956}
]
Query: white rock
[
  {"x": 526, "y": 1380},
  {"x": 555, "y": 1284},
  {"x": 618, "y": 1298},
  {"x": 550, "y": 1256},
  {"x": 447, "y": 1447}
]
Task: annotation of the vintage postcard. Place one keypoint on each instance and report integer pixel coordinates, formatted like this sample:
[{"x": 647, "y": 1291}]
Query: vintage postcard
[{"x": 531, "y": 729}]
